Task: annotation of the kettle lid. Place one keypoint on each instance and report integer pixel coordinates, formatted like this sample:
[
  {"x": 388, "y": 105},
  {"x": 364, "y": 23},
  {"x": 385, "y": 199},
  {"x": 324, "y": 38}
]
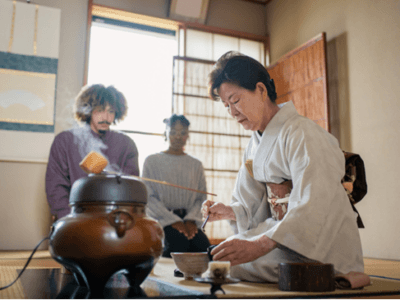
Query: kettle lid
[{"x": 110, "y": 188}]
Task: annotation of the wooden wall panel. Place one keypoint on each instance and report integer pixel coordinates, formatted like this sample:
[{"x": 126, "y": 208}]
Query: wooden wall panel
[{"x": 301, "y": 76}]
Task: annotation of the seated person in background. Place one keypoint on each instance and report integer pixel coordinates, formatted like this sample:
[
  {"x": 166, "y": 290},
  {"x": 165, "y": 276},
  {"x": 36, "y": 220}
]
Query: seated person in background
[
  {"x": 97, "y": 107},
  {"x": 177, "y": 210},
  {"x": 288, "y": 156}
]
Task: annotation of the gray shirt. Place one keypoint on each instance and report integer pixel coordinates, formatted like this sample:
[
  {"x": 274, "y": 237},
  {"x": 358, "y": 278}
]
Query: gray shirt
[{"x": 183, "y": 170}]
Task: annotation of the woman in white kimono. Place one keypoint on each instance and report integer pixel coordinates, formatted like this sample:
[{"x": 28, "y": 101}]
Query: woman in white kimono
[{"x": 286, "y": 152}]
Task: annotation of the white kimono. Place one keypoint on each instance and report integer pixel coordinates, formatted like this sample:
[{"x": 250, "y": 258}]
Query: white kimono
[{"x": 320, "y": 224}]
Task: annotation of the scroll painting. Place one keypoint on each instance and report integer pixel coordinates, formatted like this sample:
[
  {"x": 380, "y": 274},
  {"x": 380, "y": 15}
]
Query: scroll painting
[{"x": 28, "y": 66}]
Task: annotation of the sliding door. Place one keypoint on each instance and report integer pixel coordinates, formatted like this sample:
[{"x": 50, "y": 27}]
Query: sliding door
[{"x": 301, "y": 76}]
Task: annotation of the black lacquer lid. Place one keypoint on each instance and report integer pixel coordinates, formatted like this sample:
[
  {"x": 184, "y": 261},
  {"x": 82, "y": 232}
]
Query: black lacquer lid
[{"x": 108, "y": 188}]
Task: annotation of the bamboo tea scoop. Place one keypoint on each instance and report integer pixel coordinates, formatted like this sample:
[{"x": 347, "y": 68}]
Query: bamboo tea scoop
[{"x": 95, "y": 163}]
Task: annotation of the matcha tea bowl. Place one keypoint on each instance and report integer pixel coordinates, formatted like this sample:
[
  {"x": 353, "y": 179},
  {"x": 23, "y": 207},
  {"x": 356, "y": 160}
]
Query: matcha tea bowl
[{"x": 191, "y": 264}]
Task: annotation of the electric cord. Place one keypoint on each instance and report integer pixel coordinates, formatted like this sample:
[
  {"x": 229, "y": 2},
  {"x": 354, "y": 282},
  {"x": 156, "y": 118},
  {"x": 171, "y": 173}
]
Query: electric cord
[{"x": 26, "y": 264}]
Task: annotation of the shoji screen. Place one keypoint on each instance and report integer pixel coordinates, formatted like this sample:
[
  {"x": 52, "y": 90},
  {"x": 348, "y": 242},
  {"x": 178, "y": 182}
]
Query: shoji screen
[{"x": 215, "y": 137}]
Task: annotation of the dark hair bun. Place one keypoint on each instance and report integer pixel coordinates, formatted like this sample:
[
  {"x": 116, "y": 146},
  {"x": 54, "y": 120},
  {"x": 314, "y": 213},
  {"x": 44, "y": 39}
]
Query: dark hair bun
[{"x": 174, "y": 118}]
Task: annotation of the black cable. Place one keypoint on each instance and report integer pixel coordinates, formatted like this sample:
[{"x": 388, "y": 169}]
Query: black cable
[{"x": 23, "y": 269}]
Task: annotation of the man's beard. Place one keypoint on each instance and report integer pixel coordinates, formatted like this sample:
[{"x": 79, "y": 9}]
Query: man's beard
[{"x": 102, "y": 132}]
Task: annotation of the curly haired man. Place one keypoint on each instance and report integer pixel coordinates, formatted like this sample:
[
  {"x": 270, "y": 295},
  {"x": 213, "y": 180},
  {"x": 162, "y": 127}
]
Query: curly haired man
[{"x": 96, "y": 108}]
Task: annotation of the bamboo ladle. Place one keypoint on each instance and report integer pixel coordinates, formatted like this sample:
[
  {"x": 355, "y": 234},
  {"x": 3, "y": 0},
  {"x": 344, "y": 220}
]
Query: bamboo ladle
[{"x": 95, "y": 163}]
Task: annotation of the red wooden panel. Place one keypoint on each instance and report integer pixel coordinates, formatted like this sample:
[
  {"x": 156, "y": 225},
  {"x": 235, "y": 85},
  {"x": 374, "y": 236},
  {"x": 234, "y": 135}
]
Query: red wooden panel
[{"x": 300, "y": 76}]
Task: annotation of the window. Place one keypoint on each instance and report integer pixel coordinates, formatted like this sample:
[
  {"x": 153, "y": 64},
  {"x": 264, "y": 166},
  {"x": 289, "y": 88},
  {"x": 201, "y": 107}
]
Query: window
[
  {"x": 215, "y": 137},
  {"x": 211, "y": 45},
  {"x": 139, "y": 56},
  {"x": 137, "y": 60}
]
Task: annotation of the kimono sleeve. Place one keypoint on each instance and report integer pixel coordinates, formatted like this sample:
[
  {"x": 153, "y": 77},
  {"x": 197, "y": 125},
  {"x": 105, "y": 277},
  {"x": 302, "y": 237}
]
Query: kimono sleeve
[
  {"x": 316, "y": 166},
  {"x": 247, "y": 201}
]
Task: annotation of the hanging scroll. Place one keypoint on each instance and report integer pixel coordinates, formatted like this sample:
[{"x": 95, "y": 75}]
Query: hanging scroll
[{"x": 29, "y": 42}]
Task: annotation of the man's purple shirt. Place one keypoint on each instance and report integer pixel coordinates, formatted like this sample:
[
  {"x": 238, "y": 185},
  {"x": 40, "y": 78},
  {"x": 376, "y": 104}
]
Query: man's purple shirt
[{"x": 67, "y": 151}]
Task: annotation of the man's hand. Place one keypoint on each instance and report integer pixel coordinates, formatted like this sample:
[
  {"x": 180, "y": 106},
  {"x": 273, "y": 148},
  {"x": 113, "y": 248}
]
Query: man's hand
[
  {"x": 217, "y": 211},
  {"x": 242, "y": 251},
  {"x": 180, "y": 226},
  {"x": 191, "y": 229}
]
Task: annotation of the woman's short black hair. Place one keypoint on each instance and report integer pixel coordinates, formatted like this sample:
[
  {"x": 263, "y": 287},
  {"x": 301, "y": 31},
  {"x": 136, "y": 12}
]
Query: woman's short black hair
[
  {"x": 174, "y": 118},
  {"x": 242, "y": 70}
]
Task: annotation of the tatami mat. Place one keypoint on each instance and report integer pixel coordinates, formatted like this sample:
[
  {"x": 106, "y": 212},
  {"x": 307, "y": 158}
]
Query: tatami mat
[
  {"x": 11, "y": 261},
  {"x": 164, "y": 270},
  {"x": 24, "y": 254},
  {"x": 380, "y": 267}
]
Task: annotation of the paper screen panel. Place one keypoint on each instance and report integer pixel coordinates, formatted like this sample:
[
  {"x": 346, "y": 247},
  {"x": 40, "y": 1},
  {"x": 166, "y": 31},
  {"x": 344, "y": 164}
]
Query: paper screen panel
[
  {"x": 252, "y": 48},
  {"x": 222, "y": 184},
  {"x": 300, "y": 76},
  {"x": 211, "y": 46},
  {"x": 216, "y": 139},
  {"x": 198, "y": 44},
  {"x": 223, "y": 44}
]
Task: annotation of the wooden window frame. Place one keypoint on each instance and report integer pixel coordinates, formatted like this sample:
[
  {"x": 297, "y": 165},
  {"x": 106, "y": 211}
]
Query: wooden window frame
[
  {"x": 121, "y": 15},
  {"x": 107, "y": 11}
]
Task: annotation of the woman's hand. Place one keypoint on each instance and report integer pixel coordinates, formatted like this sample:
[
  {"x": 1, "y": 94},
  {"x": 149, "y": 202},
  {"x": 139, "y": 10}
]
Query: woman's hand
[
  {"x": 242, "y": 251},
  {"x": 180, "y": 226},
  {"x": 191, "y": 229},
  {"x": 217, "y": 211},
  {"x": 205, "y": 207}
]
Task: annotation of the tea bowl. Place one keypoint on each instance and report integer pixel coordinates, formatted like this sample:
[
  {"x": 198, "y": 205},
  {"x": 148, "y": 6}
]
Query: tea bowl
[{"x": 191, "y": 264}]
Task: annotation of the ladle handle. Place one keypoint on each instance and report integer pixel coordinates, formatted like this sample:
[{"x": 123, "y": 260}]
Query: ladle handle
[{"x": 121, "y": 220}]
